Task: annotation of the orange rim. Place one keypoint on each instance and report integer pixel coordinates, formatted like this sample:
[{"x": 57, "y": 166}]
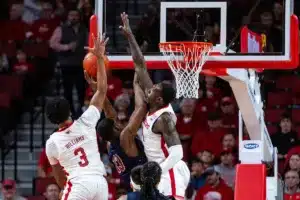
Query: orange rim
[{"x": 181, "y": 46}]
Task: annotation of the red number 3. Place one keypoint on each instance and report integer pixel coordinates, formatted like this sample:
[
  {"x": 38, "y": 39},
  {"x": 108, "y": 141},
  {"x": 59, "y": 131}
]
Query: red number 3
[{"x": 83, "y": 159}]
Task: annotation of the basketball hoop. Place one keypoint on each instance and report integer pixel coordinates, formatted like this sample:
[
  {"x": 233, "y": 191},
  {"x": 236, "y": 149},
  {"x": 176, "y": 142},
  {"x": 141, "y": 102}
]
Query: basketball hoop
[{"x": 186, "y": 60}]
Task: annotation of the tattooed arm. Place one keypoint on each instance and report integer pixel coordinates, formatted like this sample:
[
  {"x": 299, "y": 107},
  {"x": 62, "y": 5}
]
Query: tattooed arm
[
  {"x": 167, "y": 127},
  {"x": 127, "y": 137},
  {"x": 137, "y": 56}
]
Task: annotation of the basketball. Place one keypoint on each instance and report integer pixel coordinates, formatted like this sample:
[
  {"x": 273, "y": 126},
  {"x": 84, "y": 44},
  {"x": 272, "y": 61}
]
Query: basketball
[{"x": 90, "y": 64}]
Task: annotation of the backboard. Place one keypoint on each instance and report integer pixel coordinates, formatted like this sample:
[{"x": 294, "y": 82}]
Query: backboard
[{"x": 216, "y": 22}]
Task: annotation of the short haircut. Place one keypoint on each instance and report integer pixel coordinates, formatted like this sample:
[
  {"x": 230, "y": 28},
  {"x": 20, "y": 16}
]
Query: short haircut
[
  {"x": 168, "y": 93},
  {"x": 58, "y": 110},
  {"x": 105, "y": 129},
  {"x": 136, "y": 174}
]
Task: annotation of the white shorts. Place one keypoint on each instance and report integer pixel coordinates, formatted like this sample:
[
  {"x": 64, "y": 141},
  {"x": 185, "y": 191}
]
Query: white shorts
[
  {"x": 86, "y": 188},
  {"x": 175, "y": 182}
]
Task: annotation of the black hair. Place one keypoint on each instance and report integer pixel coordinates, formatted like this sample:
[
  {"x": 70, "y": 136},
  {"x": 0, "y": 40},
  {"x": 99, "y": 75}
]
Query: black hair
[
  {"x": 136, "y": 174},
  {"x": 105, "y": 128},
  {"x": 150, "y": 177},
  {"x": 168, "y": 93},
  {"x": 58, "y": 110}
]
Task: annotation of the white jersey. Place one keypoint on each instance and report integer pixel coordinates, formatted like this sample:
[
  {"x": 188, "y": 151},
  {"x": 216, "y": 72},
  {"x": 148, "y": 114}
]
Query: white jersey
[
  {"x": 154, "y": 145},
  {"x": 75, "y": 147}
]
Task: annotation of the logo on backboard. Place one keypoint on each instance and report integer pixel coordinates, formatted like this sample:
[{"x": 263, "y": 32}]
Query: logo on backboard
[{"x": 251, "y": 146}]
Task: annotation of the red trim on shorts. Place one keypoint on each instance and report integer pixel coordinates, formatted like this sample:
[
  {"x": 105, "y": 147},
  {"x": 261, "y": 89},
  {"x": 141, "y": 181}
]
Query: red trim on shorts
[
  {"x": 65, "y": 127},
  {"x": 178, "y": 197},
  {"x": 171, "y": 171},
  {"x": 69, "y": 185},
  {"x": 151, "y": 113}
]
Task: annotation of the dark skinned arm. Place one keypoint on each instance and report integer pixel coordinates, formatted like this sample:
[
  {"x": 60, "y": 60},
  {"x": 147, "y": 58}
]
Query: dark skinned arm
[
  {"x": 107, "y": 107},
  {"x": 127, "y": 137},
  {"x": 166, "y": 126},
  {"x": 137, "y": 56},
  {"x": 59, "y": 175}
]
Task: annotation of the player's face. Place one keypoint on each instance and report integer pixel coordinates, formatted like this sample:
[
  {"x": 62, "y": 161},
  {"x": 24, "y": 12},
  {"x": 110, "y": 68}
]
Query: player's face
[{"x": 153, "y": 94}]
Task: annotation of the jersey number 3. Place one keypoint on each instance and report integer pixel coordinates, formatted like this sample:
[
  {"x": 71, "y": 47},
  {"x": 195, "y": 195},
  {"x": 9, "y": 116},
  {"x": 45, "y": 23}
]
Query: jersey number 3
[{"x": 83, "y": 159}]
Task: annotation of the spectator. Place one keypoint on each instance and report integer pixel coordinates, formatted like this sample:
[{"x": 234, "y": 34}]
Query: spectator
[
  {"x": 197, "y": 178},
  {"x": 4, "y": 64},
  {"x": 32, "y": 11},
  {"x": 44, "y": 168},
  {"x": 229, "y": 141},
  {"x": 213, "y": 134},
  {"x": 212, "y": 91},
  {"x": 229, "y": 114},
  {"x": 9, "y": 190},
  {"x": 69, "y": 40},
  {"x": 293, "y": 163},
  {"x": 205, "y": 104},
  {"x": 278, "y": 15},
  {"x": 227, "y": 167},
  {"x": 285, "y": 138},
  {"x": 52, "y": 192},
  {"x": 291, "y": 182},
  {"x": 14, "y": 28},
  {"x": 44, "y": 27},
  {"x": 114, "y": 88},
  {"x": 148, "y": 40},
  {"x": 206, "y": 157},
  {"x": 214, "y": 186},
  {"x": 23, "y": 66},
  {"x": 186, "y": 125},
  {"x": 121, "y": 105}
]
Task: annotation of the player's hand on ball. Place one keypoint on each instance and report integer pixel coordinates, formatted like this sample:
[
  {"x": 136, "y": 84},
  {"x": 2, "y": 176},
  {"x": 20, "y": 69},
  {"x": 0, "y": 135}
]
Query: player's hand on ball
[
  {"x": 99, "y": 45},
  {"x": 90, "y": 81},
  {"x": 126, "y": 26}
]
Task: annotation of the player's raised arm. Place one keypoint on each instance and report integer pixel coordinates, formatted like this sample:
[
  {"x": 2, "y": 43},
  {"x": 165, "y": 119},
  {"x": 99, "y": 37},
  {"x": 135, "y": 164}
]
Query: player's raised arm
[
  {"x": 107, "y": 107},
  {"x": 167, "y": 127},
  {"x": 138, "y": 58},
  {"x": 127, "y": 137},
  {"x": 99, "y": 50}
]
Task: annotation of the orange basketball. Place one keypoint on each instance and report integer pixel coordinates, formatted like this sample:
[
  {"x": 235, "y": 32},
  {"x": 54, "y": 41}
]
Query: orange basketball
[{"x": 90, "y": 64}]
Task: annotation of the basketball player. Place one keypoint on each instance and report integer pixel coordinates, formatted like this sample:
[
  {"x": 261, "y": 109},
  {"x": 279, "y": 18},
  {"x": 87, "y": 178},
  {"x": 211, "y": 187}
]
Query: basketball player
[
  {"x": 160, "y": 138},
  {"x": 72, "y": 151},
  {"x": 125, "y": 149}
]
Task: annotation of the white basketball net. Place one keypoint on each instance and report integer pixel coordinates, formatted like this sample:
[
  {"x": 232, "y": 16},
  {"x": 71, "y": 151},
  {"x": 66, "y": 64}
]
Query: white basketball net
[{"x": 186, "y": 61}]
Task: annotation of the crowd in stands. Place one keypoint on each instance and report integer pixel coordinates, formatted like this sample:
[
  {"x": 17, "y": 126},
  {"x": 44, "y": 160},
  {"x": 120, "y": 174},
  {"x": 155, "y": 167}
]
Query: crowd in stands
[{"x": 30, "y": 47}]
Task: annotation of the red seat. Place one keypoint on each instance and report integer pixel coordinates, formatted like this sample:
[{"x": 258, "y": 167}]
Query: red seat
[
  {"x": 280, "y": 99},
  {"x": 287, "y": 82},
  {"x": 296, "y": 115},
  {"x": 12, "y": 85},
  {"x": 36, "y": 198},
  {"x": 5, "y": 100},
  {"x": 273, "y": 115},
  {"x": 40, "y": 184}
]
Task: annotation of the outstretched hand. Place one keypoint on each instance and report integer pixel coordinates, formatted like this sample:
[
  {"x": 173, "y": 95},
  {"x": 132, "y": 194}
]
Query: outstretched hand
[
  {"x": 126, "y": 26},
  {"x": 99, "y": 45},
  {"x": 90, "y": 81}
]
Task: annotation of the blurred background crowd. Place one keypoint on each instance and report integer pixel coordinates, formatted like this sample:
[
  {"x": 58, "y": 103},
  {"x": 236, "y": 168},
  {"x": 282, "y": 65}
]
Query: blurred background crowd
[{"x": 41, "y": 53}]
